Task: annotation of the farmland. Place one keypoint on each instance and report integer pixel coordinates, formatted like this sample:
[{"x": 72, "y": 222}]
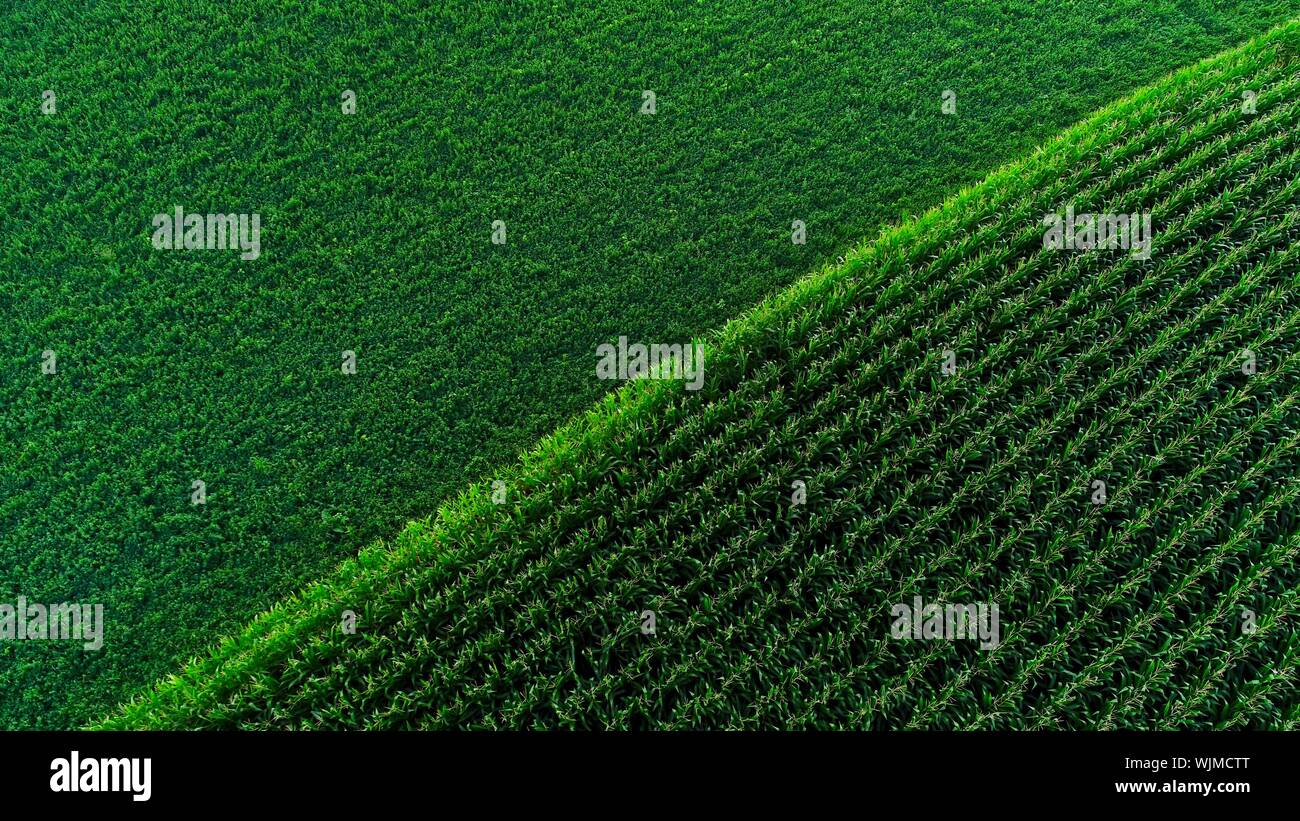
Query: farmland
[
  {"x": 1094, "y": 448},
  {"x": 186, "y": 435}
]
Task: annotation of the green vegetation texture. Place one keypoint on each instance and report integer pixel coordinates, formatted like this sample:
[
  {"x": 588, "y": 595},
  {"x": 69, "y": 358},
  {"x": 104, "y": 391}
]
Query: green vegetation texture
[
  {"x": 176, "y": 367},
  {"x": 976, "y": 486}
]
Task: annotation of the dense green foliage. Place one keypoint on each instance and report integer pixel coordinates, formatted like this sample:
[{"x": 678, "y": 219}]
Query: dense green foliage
[
  {"x": 968, "y": 487},
  {"x": 376, "y": 226}
]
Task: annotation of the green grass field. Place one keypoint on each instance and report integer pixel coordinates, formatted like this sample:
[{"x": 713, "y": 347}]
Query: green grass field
[
  {"x": 377, "y": 239},
  {"x": 773, "y": 608}
]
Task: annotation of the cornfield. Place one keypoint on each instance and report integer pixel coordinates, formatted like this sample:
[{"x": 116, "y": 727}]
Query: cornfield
[{"x": 1102, "y": 445}]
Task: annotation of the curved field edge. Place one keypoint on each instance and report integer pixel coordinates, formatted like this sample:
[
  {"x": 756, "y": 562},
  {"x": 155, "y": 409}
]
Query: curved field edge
[{"x": 549, "y": 469}]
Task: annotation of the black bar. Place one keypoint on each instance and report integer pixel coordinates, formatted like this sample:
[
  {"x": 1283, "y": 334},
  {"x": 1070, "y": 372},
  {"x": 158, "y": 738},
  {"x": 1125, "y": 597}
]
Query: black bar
[{"x": 622, "y": 771}]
